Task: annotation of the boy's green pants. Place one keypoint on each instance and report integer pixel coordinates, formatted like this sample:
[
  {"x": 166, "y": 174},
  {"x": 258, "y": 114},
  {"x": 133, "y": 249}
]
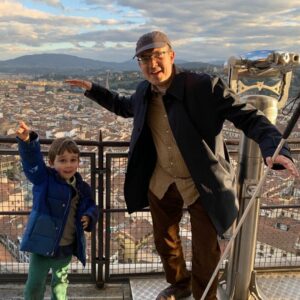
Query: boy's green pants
[{"x": 38, "y": 270}]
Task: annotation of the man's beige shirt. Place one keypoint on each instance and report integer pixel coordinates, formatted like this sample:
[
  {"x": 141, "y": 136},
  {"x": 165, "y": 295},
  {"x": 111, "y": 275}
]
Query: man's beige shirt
[{"x": 170, "y": 166}]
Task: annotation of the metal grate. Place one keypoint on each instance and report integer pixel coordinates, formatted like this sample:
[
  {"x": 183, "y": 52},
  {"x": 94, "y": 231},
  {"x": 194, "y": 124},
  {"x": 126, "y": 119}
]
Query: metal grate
[
  {"x": 279, "y": 286},
  {"x": 148, "y": 288}
]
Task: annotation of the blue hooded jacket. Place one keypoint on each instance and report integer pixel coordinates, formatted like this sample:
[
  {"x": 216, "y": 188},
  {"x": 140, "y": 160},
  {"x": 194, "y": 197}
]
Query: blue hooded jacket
[{"x": 52, "y": 196}]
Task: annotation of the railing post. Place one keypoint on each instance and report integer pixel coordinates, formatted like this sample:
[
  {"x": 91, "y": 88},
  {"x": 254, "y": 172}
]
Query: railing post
[{"x": 100, "y": 187}]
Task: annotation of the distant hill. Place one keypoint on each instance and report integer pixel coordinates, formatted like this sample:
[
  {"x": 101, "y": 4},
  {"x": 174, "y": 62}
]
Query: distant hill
[
  {"x": 60, "y": 63},
  {"x": 70, "y": 64}
]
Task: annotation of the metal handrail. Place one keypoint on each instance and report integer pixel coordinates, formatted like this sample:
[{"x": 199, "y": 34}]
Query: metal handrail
[{"x": 101, "y": 263}]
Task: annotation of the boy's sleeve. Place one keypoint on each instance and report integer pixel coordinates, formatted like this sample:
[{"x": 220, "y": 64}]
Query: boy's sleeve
[{"x": 32, "y": 159}]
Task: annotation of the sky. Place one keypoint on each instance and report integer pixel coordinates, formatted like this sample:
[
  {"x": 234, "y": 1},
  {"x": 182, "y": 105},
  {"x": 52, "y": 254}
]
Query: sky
[{"x": 107, "y": 30}]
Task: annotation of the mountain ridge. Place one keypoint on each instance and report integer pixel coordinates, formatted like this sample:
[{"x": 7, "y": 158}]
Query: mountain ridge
[{"x": 65, "y": 63}]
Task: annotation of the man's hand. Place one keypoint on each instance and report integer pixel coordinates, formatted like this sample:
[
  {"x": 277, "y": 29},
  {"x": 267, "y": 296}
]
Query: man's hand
[
  {"x": 23, "y": 131},
  {"x": 85, "y": 220},
  {"x": 285, "y": 162},
  {"x": 84, "y": 84}
]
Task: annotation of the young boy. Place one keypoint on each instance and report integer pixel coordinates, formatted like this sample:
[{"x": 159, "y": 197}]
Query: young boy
[{"x": 62, "y": 209}]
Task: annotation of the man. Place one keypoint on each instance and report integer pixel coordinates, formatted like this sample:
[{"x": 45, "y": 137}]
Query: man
[{"x": 178, "y": 158}]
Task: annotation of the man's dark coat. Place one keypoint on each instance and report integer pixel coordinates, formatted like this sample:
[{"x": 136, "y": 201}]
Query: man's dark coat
[{"x": 197, "y": 106}]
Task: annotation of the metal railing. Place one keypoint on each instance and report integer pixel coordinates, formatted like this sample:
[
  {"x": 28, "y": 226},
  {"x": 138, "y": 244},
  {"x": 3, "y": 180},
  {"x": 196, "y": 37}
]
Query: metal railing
[{"x": 122, "y": 244}]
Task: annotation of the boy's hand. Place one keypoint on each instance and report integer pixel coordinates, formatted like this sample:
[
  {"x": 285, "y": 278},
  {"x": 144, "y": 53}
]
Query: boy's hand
[
  {"x": 23, "y": 131},
  {"x": 85, "y": 220}
]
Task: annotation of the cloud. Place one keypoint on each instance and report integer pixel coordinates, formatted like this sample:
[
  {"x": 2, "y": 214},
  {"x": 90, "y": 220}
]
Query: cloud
[
  {"x": 54, "y": 3},
  {"x": 200, "y": 30},
  {"x": 31, "y": 27}
]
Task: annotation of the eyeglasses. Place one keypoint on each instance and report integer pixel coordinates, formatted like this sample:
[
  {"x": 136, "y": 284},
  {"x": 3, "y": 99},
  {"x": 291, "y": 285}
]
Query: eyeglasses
[{"x": 145, "y": 59}]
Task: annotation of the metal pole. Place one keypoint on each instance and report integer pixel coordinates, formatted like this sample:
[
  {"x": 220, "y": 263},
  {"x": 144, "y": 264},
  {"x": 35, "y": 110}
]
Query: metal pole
[{"x": 249, "y": 173}]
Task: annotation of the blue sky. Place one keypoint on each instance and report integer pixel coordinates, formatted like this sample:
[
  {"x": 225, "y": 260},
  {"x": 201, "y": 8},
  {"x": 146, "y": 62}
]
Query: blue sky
[{"x": 201, "y": 30}]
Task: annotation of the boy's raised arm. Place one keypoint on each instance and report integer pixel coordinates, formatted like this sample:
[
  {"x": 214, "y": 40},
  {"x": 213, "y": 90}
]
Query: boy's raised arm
[{"x": 31, "y": 157}]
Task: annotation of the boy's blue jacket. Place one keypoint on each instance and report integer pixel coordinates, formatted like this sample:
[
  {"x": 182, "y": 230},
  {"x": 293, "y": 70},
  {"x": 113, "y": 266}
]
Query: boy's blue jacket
[{"x": 51, "y": 203}]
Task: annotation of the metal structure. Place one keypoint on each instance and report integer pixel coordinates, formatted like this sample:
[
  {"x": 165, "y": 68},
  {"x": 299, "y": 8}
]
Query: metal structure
[
  {"x": 268, "y": 66},
  {"x": 104, "y": 165}
]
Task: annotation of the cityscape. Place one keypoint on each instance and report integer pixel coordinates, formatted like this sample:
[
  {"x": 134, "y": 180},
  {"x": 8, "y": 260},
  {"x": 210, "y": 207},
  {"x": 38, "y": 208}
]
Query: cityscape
[
  {"x": 54, "y": 109},
  {"x": 253, "y": 46}
]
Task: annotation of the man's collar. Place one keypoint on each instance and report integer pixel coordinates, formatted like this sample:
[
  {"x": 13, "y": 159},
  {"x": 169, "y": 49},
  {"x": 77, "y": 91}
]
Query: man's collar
[{"x": 175, "y": 86}]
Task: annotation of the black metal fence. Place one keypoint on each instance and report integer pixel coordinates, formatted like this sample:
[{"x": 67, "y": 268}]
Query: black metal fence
[{"x": 122, "y": 244}]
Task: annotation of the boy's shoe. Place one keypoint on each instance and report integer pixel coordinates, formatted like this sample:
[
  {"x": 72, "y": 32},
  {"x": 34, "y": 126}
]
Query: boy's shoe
[{"x": 174, "y": 292}]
